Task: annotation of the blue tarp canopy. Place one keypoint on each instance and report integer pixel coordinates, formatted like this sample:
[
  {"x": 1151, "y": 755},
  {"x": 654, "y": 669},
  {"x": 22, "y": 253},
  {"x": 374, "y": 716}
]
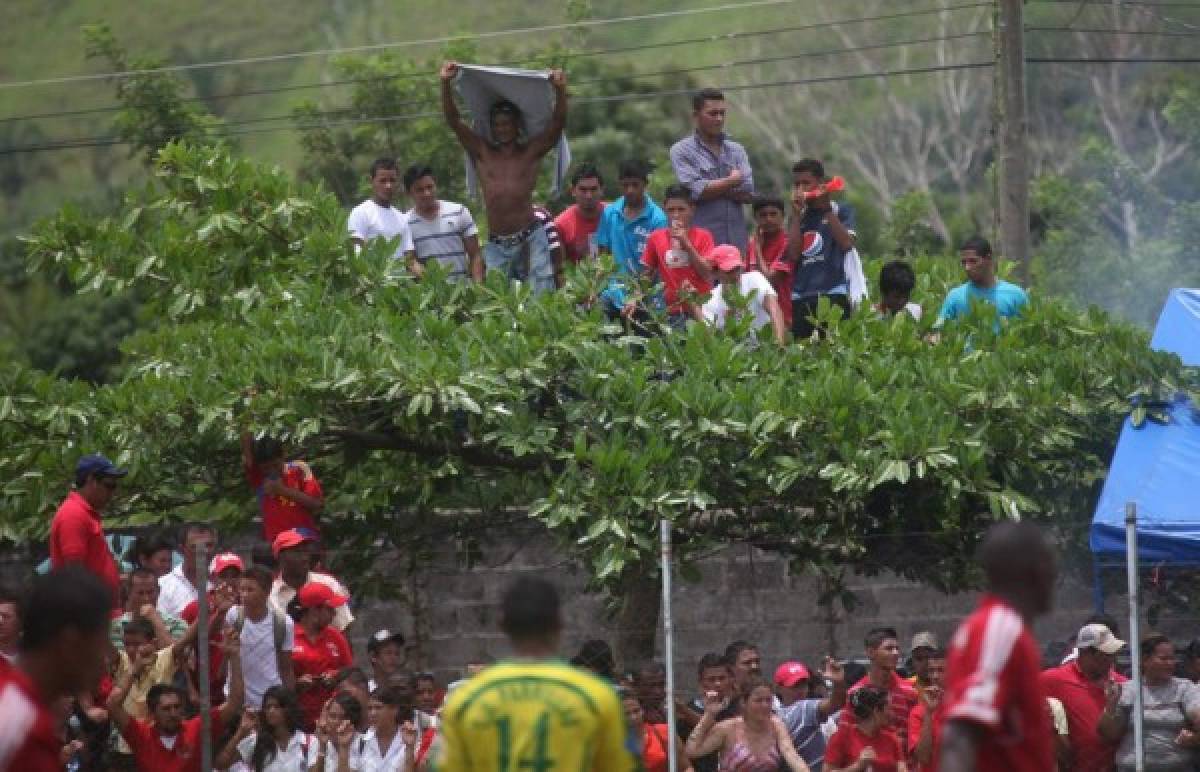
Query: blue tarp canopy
[{"x": 1158, "y": 466}]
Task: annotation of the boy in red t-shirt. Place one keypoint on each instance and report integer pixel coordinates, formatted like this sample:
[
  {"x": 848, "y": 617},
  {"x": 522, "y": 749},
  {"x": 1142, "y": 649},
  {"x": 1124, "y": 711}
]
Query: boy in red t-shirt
[
  {"x": 767, "y": 251},
  {"x": 289, "y": 494},
  {"x": 675, "y": 254}
]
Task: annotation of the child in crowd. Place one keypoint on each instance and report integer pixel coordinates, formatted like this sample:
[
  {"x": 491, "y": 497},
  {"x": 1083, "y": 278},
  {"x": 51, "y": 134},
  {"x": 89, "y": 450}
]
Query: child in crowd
[{"x": 896, "y": 283}]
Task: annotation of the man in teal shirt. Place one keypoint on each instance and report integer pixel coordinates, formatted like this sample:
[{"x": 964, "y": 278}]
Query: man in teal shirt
[
  {"x": 623, "y": 230},
  {"x": 982, "y": 285}
]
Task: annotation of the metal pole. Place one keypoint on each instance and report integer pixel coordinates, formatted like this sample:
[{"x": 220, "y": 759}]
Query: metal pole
[
  {"x": 200, "y": 582},
  {"x": 1135, "y": 633},
  {"x": 668, "y": 640}
]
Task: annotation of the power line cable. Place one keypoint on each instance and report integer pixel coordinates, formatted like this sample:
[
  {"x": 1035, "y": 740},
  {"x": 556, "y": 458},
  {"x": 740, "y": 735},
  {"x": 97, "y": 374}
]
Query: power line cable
[
  {"x": 110, "y": 141},
  {"x": 1108, "y": 31},
  {"x": 1141, "y": 3},
  {"x": 395, "y": 44},
  {"x": 712, "y": 38},
  {"x": 642, "y": 75},
  {"x": 1146, "y": 8},
  {"x": 1114, "y": 60}
]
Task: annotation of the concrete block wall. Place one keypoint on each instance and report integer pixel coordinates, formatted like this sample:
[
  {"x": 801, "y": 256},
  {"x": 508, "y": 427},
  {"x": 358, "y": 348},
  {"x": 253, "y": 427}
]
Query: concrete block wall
[{"x": 743, "y": 593}]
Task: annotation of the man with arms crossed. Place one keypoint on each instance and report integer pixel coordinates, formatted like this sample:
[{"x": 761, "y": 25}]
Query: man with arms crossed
[
  {"x": 508, "y": 170},
  {"x": 716, "y": 170}
]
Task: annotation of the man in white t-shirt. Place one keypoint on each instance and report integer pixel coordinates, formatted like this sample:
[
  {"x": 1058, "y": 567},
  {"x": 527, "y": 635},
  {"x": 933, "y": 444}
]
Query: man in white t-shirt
[
  {"x": 176, "y": 590},
  {"x": 441, "y": 230},
  {"x": 376, "y": 217},
  {"x": 267, "y": 637},
  {"x": 760, "y": 299}
]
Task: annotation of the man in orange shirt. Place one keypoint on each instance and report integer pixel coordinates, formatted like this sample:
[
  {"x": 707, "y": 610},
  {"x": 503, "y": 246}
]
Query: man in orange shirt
[{"x": 76, "y": 535}]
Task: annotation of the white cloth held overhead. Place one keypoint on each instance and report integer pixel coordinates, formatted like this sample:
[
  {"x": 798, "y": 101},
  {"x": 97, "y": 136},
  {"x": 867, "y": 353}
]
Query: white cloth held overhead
[
  {"x": 856, "y": 280},
  {"x": 530, "y": 90}
]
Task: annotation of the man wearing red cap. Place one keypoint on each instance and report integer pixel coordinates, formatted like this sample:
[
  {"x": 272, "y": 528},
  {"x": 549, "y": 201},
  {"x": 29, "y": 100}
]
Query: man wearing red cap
[
  {"x": 803, "y": 716},
  {"x": 76, "y": 535},
  {"x": 741, "y": 289},
  {"x": 319, "y": 650},
  {"x": 293, "y": 552}
]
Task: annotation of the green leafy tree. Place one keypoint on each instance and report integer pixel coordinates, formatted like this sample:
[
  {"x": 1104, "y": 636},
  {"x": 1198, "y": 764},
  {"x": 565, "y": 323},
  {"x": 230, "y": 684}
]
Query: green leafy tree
[
  {"x": 394, "y": 110},
  {"x": 872, "y": 450},
  {"x": 155, "y": 112}
]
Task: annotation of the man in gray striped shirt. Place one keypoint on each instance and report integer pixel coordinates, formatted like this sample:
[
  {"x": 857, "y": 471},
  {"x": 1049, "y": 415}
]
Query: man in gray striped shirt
[
  {"x": 441, "y": 230},
  {"x": 716, "y": 170}
]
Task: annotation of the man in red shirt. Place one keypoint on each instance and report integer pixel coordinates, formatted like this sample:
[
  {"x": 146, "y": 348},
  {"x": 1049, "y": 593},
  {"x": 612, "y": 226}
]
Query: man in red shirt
[
  {"x": 76, "y": 535},
  {"x": 925, "y": 720},
  {"x": 578, "y": 223},
  {"x": 1079, "y": 685},
  {"x": 768, "y": 248},
  {"x": 289, "y": 494},
  {"x": 883, "y": 653},
  {"x": 676, "y": 255},
  {"x": 63, "y": 649},
  {"x": 994, "y": 709},
  {"x": 166, "y": 742}
]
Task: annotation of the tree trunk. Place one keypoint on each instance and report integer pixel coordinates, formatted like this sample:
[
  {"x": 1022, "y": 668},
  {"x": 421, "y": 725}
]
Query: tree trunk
[{"x": 637, "y": 615}]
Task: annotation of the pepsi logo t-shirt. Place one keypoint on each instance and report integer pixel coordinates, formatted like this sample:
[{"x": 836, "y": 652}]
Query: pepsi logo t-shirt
[{"x": 821, "y": 266}]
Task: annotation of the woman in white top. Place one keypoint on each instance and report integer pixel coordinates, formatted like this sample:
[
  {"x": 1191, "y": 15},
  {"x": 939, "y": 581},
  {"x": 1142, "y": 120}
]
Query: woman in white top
[
  {"x": 389, "y": 746},
  {"x": 339, "y": 745},
  {"x": 271, "y": 741}
]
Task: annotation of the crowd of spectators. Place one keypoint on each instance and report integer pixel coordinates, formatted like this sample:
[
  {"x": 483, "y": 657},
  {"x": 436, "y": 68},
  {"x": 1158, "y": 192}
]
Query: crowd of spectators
[
  {"x": 104, "y": 670},
  {"x": 123, "y": 683}
]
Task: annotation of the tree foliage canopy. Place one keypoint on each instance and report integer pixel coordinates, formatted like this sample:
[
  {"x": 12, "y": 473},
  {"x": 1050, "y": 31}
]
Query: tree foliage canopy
[{"x": 872, "y": 449}]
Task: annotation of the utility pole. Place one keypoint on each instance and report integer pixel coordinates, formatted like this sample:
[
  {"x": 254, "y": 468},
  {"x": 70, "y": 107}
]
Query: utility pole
[{"x": 1012, "y": 135}]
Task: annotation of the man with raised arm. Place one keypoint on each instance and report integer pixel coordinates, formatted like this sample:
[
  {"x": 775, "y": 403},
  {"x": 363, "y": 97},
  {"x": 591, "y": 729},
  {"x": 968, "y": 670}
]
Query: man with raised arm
[{"x": 507, "y": 165}]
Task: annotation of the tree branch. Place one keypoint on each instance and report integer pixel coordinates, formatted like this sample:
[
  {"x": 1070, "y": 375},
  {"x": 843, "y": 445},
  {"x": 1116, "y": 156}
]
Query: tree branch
[{"x": 477, "y": 456}]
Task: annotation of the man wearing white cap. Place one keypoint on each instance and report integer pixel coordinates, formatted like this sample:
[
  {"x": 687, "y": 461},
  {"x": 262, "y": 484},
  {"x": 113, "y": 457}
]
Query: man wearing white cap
[
  {"x": 923, "y": 645},
  {"x": 1080, "y": 686},
  {"x": 386, "y": 649}
]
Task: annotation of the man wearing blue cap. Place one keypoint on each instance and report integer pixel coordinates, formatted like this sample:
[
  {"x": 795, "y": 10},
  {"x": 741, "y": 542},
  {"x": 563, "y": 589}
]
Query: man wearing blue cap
[{"x": 76, "y": 536}]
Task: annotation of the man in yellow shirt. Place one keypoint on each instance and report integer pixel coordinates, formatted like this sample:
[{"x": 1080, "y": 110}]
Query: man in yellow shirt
[{"x": 533, "y": 713}]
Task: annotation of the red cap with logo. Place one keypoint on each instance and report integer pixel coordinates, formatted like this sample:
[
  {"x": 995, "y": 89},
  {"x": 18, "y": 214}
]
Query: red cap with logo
[
  {"x": 293, "y": 537},
  {"x": 790, "y": 673},
  {"x": 223, "y": 561},
  {"x": 315, "y": 594},
  {"x": 725, "y": 257}
]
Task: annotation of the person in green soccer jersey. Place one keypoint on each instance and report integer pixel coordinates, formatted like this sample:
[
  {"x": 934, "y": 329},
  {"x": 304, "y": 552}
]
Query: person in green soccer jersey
[{"x": 533, "y": 713}]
